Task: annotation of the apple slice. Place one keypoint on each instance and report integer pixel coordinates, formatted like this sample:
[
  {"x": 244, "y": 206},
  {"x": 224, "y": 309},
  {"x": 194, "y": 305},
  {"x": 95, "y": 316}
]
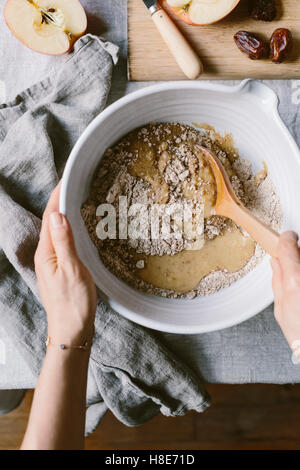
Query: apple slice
[
  {"x": 46, "y": 26},
  {"x": 202, "y": 12},
  {"x": 178, "y": 3}
]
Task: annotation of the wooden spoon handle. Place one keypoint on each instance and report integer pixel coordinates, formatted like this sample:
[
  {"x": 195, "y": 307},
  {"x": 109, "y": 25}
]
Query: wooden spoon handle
[
  {"x": 185, "y": 56},
  {"x": 266, "y": 237}
]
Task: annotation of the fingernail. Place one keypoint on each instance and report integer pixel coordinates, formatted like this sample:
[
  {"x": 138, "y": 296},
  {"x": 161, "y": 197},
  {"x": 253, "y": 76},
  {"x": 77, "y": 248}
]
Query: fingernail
[
  {"x": 56, "y": 219},
  {"x": 290, "y": 236}
]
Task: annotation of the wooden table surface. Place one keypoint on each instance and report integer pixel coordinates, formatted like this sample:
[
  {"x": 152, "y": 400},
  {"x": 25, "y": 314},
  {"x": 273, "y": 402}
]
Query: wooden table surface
[
  {"x": 251, "y": 416},
  {"x": 149, "y": 58}
]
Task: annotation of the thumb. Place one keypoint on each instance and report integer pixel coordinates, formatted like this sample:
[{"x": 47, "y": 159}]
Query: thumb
[
  {"x": 288, "y": 250},
  {"x": 62, "y": 238},
  {"x": 277, "y": 279}
]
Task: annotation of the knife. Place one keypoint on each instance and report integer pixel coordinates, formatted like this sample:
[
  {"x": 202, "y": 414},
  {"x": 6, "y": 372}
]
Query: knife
[{"x": 183, "y": 53}]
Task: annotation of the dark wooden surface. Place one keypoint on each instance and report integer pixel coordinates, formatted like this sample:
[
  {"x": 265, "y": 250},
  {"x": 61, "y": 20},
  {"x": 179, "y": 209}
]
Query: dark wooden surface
[{"x": 241, "y": 417}]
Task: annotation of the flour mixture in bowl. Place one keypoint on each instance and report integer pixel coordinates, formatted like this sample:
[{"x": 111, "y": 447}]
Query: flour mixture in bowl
[{"x": 150, "y": 212}]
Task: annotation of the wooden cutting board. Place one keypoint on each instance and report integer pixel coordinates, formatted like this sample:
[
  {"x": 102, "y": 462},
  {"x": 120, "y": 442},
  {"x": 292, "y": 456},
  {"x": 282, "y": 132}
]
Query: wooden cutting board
[{"x": 149, "y": 58}]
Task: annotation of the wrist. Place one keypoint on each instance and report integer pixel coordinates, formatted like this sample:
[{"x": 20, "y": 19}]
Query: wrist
[
  {"x": 67, "y": 359},
  {"x": 71, "y": 336},
  {"x": 83, "y": 347},
  {"x": 80, "y": 339},
  {"x": 67, "y": 350}
]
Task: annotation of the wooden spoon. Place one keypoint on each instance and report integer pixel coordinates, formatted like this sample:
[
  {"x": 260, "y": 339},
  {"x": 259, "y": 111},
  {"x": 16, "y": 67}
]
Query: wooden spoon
[{"x": 228, "y": 205}]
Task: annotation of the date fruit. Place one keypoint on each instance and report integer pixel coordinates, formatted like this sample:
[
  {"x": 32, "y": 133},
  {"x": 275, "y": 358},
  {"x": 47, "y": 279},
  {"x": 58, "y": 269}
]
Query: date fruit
[
  {"x": 250, "y": 45},
  {"x": 280, "y": 45},
  {"x": 264, "y": 10}
]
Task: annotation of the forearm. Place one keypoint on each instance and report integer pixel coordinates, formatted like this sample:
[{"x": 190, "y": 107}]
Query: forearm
[{"x": 57, "y": 417}]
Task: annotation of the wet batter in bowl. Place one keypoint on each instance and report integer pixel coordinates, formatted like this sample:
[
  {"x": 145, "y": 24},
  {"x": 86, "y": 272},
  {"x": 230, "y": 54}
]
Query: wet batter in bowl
[{"x": 159, "y": 165}]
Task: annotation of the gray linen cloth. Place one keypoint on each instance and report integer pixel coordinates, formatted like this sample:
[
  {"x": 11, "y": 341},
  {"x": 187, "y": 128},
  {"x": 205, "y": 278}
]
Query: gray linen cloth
[{"x": 130, "y": 372}]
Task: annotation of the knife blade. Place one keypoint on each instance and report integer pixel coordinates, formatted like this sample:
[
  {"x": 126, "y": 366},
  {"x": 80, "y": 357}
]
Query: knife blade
[
  {"x": 185, "y": 56},
  {"x": 151, "y": 4}
]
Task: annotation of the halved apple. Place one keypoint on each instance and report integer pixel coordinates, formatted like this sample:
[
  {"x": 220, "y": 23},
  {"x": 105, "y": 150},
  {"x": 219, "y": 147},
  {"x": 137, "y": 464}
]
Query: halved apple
[
  {"x": 46, "y": 26},
  {"x": 202, "y": 12}
]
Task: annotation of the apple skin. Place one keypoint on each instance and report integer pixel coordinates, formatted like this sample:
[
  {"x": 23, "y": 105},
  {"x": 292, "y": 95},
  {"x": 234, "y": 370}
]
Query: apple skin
[
  {"x": 72, "y": 41},
  {"x": 185, "y": 17}
]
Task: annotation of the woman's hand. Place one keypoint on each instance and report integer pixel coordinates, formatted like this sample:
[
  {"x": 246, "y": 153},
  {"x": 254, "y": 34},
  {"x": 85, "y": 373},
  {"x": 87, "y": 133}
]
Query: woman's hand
[
  {"x": 66, "y": 287},
  {"x": 286, "y": 286},
  {"x": 68, "y": 293}
]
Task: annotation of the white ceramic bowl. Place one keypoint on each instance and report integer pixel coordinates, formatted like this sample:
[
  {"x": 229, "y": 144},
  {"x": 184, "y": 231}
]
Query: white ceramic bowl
[{"x": 249, "y": 112}]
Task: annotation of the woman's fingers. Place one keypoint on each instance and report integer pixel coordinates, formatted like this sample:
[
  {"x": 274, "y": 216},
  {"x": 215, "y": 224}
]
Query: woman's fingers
[
  {"x": 62, "y": 239},
  {"x": 288, "y": 250},
  {"x": 277, "y": 273},
  {"x": 53, "y": 203},
  {"x": 52, "y": 206},
  {"x": 277, "y": 282},
  {"x": 286, "y": 285},
  {"x": 45, "y": 251}
]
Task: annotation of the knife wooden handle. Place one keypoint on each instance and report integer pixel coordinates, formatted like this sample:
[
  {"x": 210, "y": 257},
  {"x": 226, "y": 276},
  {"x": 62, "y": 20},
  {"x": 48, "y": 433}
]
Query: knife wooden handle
[{"x": 184, "y": 54}]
